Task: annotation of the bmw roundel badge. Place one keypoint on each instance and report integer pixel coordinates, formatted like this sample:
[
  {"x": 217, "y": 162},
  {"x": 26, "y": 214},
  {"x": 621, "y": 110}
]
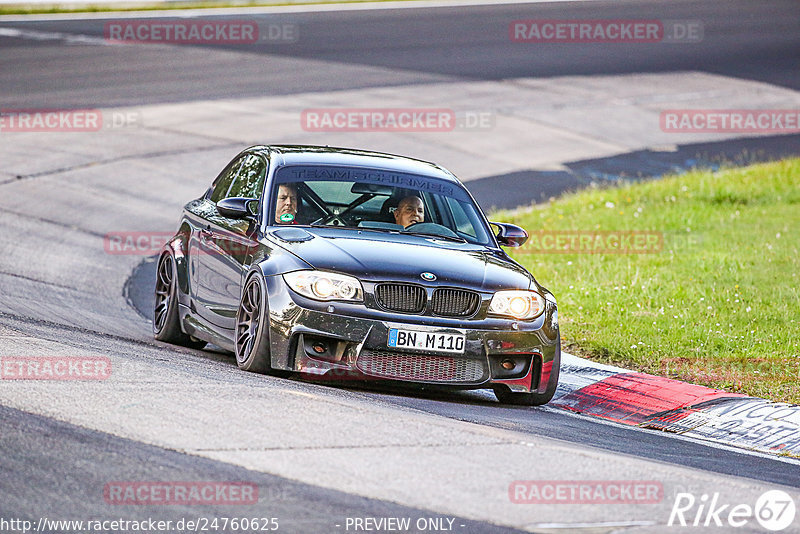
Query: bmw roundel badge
[{"x": 430, "y": 277}]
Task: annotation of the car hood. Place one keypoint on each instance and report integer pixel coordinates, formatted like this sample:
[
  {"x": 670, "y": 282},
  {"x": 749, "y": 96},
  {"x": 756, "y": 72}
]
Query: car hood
[{"x": 380, "y": 256}]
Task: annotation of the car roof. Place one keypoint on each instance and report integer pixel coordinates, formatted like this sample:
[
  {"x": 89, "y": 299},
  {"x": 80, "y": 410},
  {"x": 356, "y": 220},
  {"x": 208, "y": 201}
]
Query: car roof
[{"x": 282, "y": 155}]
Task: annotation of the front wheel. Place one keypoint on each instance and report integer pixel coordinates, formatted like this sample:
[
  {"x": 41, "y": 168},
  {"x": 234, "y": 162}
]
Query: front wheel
[
  {"x": 166, "y": 324},
  {"x": 506, "y": 396},
  {"x": 252, "y": 339}
]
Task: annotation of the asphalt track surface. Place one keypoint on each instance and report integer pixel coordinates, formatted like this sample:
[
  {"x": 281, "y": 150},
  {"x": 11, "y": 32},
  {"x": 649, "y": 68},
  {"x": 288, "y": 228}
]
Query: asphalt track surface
[
  {"x": 57, "y": 468},
  {"x": 481, "y": 408},
  {"x": 60, "y": 477},
  {"x": 741, "y": 38}
]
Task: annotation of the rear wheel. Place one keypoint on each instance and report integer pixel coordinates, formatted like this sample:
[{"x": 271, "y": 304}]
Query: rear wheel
[
  {"x": 252, "y": 341},
  {"x": 166, "y": 324},
  {"x": 506, "y": 396}
]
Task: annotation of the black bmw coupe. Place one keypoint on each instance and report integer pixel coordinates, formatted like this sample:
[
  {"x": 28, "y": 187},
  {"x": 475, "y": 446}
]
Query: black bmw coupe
[{"x": 340, "y": 263}]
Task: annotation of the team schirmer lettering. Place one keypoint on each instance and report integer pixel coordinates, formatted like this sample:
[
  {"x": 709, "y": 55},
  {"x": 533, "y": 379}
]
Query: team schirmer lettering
[
  {"x": 400, "y": 524},
  {"x": 415, "y": 182}
]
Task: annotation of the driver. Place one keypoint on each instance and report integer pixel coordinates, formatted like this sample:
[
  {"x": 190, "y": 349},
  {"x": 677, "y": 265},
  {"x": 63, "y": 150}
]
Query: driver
[
  {"x": 286, "y": 205},
  {"x": 410, "y": 210}
]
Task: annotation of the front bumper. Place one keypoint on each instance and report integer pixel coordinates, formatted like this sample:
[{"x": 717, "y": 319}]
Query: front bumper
[{"x": 354, "y": 340}]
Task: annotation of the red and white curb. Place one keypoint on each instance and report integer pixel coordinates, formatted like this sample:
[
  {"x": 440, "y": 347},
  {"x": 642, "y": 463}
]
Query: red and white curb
[{"x": 659, "y": 403}]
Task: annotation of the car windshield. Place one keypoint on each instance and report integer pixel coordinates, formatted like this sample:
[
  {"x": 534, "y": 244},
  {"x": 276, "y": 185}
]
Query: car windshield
[{"x": 377, "y": 200}]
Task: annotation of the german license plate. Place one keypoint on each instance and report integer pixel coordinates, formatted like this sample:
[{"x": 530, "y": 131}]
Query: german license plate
[{"x": 428, "y": 341}]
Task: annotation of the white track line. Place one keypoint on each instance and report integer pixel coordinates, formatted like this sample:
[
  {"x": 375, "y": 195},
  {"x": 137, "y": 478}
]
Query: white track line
[
  {"x": 691, "y": 439},
  {"x": 266, "y": 10},
  {"x": 69, "y": 38}
]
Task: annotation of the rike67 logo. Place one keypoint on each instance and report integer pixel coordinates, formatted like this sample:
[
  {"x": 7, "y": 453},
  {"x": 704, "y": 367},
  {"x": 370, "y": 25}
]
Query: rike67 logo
[{"x": 774, "y": 511}]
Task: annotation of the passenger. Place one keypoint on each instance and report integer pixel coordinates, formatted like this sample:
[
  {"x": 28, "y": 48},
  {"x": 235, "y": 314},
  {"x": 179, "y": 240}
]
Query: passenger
[
  {"x": 286, "y": 204},
  {"x": 410, "y": 210}
]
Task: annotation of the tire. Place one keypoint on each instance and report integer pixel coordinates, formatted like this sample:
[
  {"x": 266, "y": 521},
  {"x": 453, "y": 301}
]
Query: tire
[
  {"x": 166, "y": 324},
  {"x": 506, "y": 396},
  {"x": 251, "y": 334}
]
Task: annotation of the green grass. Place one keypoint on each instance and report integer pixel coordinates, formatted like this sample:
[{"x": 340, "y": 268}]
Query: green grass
[{"x": 718, "y": 305}]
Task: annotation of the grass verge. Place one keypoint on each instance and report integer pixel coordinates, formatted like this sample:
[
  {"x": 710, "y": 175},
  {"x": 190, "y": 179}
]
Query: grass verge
[{"x": 715, "y": 301}]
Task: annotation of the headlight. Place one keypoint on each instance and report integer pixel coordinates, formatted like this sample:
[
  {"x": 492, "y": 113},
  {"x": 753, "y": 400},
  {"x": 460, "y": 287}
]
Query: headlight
[
  {"x": 517, "y": 304},
  {"x": 320, "y": 285}
]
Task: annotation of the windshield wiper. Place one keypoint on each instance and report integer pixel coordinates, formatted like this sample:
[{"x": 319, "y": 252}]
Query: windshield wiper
[
  {"x": 331, "y": 226},
  {"x": 359, "y": 228},
  {"x": 457, "y": 239}
]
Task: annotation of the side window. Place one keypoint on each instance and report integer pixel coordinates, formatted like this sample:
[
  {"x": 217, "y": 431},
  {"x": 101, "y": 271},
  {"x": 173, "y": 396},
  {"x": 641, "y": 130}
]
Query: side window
[
  {"x": 462, "y": 220},
  {"x": 223, "y": 182},
  {"x": 249, "y": 180}
]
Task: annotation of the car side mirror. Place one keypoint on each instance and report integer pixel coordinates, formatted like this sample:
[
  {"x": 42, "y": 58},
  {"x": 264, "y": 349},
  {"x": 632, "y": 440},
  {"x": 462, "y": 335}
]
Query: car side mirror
[
  {"x": 238, "y": 207},
  {"x": 510, "y": 235}
]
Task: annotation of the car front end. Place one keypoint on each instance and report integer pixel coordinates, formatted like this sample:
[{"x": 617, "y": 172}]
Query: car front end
[{"x": 465, "y": 318}]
